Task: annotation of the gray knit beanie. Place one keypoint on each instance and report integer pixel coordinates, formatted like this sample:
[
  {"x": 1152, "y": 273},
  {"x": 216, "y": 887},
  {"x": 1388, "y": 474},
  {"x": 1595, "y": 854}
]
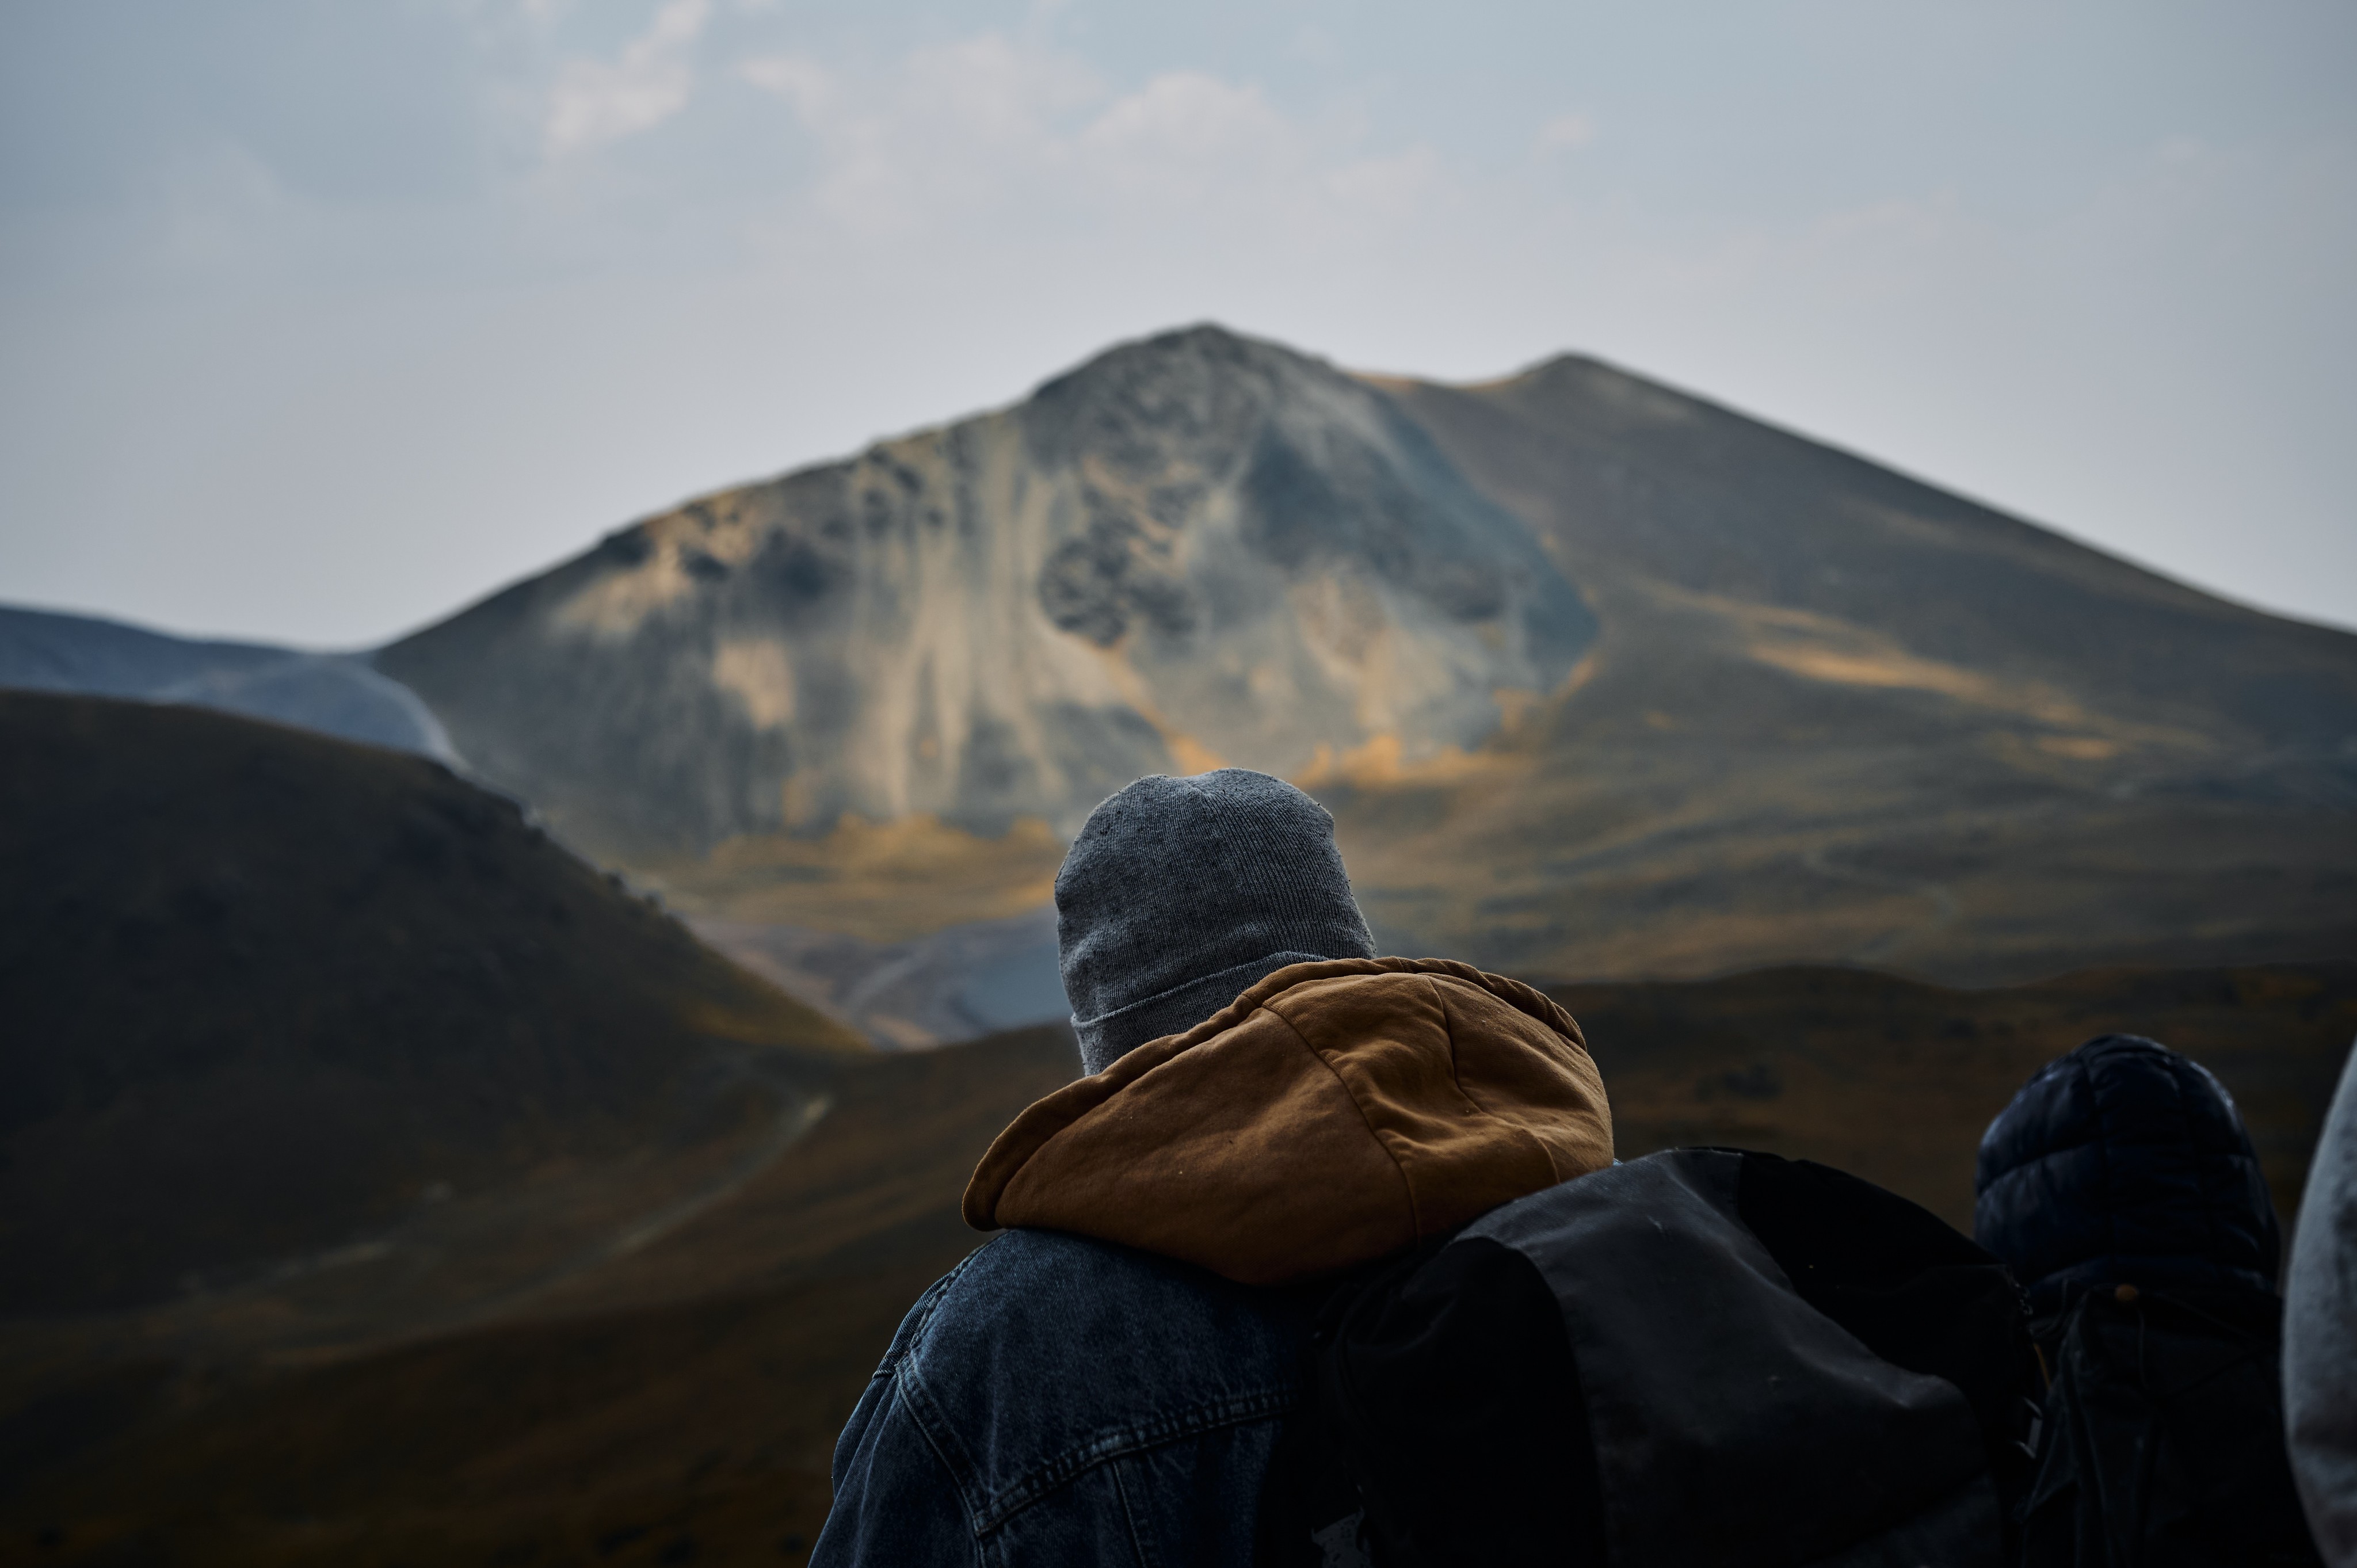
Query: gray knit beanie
[{"x": 1180, "y": 893}]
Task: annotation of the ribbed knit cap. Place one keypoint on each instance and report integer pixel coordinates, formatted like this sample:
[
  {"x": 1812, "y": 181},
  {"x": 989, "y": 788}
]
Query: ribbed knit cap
[{"x": 1180, "y": 893}]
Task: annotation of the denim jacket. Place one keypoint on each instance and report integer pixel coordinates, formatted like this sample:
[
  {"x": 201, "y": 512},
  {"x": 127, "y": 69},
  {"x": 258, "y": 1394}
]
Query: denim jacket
[{"x": 1055, "y": 1400}]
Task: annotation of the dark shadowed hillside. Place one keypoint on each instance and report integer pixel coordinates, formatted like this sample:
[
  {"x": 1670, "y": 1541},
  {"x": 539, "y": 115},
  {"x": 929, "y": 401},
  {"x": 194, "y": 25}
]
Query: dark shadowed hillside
[
  {"x": 1894, "y": 1079},
  {"x": 687, "y": 1390},
  {"x": 1603, "y": 680},
  {"x": 279, "y": 1007}
]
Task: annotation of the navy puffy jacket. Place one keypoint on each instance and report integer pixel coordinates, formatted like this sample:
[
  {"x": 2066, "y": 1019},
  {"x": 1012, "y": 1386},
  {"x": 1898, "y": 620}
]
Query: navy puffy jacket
[{"x": 2123, "y": 1163}]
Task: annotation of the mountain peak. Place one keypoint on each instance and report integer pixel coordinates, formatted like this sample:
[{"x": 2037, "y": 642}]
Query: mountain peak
[
  {"x": 1194, "y": 548},
  {"x": 1180, "y": 396},
  {"x": 1770, "y": 702},
  {"x": 1599, "y": 383}
]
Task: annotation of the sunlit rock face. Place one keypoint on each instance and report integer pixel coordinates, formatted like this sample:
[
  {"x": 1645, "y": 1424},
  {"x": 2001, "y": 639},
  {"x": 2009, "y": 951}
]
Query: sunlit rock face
[
  {"x": 1193, "y": 550},
  {"x": 1598, "y": 677}
]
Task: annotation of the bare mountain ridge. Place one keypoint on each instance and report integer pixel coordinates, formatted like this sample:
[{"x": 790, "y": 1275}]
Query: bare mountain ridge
[
  {"x": 1200, "y": 548},
  {"x": 1837, "y": 712},
  {"x": 1636, "y": 482},
  {"x": 334, "y": 694},
  {"x": 1601, "y": 679}
]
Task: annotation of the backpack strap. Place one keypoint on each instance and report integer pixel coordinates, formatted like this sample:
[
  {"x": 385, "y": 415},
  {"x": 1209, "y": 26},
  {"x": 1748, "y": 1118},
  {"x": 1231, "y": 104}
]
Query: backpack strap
[
  {"x": 1461, "y": 1415},
  {"x": 2165, "y": 1432}
]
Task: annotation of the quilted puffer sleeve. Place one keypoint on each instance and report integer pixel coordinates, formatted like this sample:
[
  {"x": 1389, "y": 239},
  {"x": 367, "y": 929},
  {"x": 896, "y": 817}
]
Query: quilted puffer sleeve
[{"x": 2319, "y": 1369}]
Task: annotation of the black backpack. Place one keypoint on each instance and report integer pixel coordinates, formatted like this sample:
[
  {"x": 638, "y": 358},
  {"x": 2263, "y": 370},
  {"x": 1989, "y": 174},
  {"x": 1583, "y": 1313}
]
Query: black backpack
[
  {"x": 2165, "y": 1445},
  {"x": 1701, "y": 1358}
]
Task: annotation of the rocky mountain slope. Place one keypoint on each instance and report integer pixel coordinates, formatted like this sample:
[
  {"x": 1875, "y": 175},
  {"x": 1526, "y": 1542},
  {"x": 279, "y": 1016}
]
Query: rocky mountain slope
[
  {"x": 1205, "y": 547},
  {"x": 1601, "y": 679},
  {"x": 338, "y": 694}
]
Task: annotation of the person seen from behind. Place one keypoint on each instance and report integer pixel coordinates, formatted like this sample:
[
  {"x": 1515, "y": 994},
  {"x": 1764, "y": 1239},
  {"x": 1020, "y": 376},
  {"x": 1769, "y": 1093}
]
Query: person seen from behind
[
  {"x": 1265, "y": 1105},
  {"x": 2123, "y": 1192}
]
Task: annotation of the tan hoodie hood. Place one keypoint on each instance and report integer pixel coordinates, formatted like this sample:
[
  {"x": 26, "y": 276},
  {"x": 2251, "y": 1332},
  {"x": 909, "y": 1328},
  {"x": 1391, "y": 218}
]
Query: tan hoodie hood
[{"x": 1334, "y": 1113}]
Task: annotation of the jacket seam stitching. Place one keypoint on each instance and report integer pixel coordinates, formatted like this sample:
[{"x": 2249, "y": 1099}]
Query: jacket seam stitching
[
  {"x": 931, "y": 1425},
  {"x": 1415, "y": 1213},
  {"x": 1556, "y": 1172},
  {"x": 1237, "y": 1410},
  {"x": 1129, "y": 1516},
  {"x": 930, "y": 1304},
  {"x": 1448, "y": 1032},
  {"x": 2102, "y": 1143},
  {"x": 905, "y": 1342}
]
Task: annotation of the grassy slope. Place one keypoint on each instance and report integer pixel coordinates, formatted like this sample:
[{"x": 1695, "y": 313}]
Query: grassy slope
[
  {"x": 269, "y": 993},
  {"x": 678, "y": 1404},
  {"x": 689, "y": 1393},
  {"x": 1839, "y": 715},
  {"x": 1894, "y": 1079}
]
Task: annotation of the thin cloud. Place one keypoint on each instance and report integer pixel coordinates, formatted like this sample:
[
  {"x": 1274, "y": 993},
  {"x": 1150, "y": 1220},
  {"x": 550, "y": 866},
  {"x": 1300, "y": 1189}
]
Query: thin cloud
[
  {"x": 991, "y": 123},
  {"x": 949, "y": 130},
  {"x": 597, "y": 101},
  {"x": 799, "y": 79},
  {"x": 1394, "y": 186},
  {"x": 1566, "y": 133}
]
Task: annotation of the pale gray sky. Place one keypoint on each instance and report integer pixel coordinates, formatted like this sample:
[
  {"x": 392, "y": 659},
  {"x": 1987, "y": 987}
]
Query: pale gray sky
[{"x": 317, "y": 320}]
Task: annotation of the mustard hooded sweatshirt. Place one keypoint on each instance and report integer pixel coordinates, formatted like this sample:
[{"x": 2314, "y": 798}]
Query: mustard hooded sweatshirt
[{"x": 1336, "y": 1112}]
